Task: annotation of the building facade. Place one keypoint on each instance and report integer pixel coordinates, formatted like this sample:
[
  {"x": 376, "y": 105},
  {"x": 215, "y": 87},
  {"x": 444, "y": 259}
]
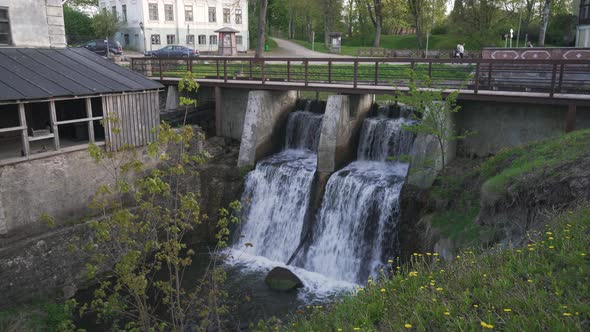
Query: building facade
[
  {"x": 583, "y": 29},
  {"x": 153, "y": 24},
  {"x": 32, "y": 23}
]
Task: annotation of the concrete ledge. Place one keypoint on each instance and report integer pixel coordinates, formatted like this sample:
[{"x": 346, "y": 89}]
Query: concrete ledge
[
  {"x": 340, "y": 130},
  {"x": 265, "y": 112}
]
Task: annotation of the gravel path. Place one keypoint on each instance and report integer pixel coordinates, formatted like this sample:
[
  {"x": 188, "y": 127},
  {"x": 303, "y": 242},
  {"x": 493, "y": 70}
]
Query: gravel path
[{"x": 287, "y": 48}]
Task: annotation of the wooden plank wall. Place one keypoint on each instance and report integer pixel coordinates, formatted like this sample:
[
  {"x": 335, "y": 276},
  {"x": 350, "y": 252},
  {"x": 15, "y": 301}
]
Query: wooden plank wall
[{"x": 137, "y": 114}]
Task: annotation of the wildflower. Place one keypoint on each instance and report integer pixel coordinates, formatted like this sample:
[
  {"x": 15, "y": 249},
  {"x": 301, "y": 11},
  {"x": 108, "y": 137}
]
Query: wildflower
[
  {"x": 476, "y": 306},
  {"x": 564, "y": 306},
  {"x": 582, "y": 254},
  {"x": 413, "y": 274},
  {"x": 458, "y": 257},
  {"x": 518, "y": 250},
  {"x": 439, "y": 289},
  {"x": 357, "y": 329},
  {"x": 551, "y": 247},
  {"x": 507, "y": 310},
  {"x": 549, "y": 233},
  {"x": 408, "y": 326},
  {"x": 485, "y": 275},
  {"x": 567, "y": 314},
  {"x": 390, "y": 261},
  {"x": 339, "y": 330},
  {"x": 360, "y": 289},
  {"x": 442, "y": 270},
  {"x": 447, "y": 313},
  {"x": 486, "y": 325},
  {"x": 551, "y": 238},
  {"x": 433, "y": 300},
  {"x": 530, "y": 280},
  {"x": 397, "y": 267},
  {"x": 531, "y": 249},
  {"x": 435, "y": 254},
  {"x": 382, "y": 290},
  {"x": 428, "y": 254}
]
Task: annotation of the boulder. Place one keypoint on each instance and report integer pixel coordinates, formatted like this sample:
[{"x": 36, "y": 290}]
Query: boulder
[{"x": 281, "y": 279}]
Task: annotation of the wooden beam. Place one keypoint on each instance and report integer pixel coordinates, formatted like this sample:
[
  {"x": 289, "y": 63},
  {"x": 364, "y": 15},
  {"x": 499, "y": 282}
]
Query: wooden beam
[
  {"x": 570, "y": 124},
  {"x": 24, "y": 132},
  {"x": 53, "y": 119},
  {"x": 91, "y": 121},
  {"x": 217, "y": 111}
]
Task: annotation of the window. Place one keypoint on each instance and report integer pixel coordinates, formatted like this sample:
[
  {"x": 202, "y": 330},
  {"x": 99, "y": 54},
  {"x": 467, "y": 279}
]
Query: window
[
  {"x": 170, "y": 39},
  {"x": 126, "y": 37},
  {"x": 156, "y": 39},
  {"x": 226, "y": 15},
  {"x": 190, "y": 39},
  {"x": 202, "y": 40},
  {"x": 213, "y": 39},
  {"x": 169, "y": 12},
  {"x": 188, "y": 13},
  {"x": 239, "y": 40},
  {"x": 124, "y": 12},
  {"x": 5, "y": 36},
  {"x": 212, "y": 14},
  {"x": 239, "y": 16},
  {"x": 153, "y": 8},
  {"x": 114, "y": 10}
]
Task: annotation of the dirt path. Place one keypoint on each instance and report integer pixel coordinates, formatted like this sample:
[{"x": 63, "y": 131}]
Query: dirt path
[{"x": 288, "y": 48}]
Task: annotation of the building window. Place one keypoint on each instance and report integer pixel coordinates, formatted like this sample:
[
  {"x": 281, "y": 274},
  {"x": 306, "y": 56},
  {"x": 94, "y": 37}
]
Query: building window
[
  {"x": 124, "y": 12},
  {"x": 238, "y": 16},
  {"x": 170, "y": 39},
  {"x": 169, "y": 12},
  {"x": 188, "y": 13},
  {"x": 202, "y": 40},
  {"x": 156, "y": 39},
  {"x": 239, "y": 40},
  {"x": 584, "y": 16},
  {"x": 126, "y": 37},
  {"x": 190, "y": 39},
  {"x": 5, "y": 36},
  {"x": 213, "y": 39},
  {"x": 114, "y": 8},
  {"x": 212, "y": 14},
  {"x": 153, "y": 8},
  {"x": 226, "y": 15}
]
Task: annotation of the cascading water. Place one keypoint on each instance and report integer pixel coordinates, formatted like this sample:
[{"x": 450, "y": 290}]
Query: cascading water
[
  {"x": 277, "y": 192},
  {"x": 356, "y": 229}
]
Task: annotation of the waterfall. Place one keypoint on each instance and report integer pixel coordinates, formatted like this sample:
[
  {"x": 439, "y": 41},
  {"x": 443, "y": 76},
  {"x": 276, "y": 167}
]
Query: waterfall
[
  {"x": 357, "y": 225},
  {"x": 277, "y": 192}
]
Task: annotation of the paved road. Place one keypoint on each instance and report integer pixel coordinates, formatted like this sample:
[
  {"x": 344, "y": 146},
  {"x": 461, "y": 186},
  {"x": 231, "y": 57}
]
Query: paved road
[{"x": 287, "y": 48}]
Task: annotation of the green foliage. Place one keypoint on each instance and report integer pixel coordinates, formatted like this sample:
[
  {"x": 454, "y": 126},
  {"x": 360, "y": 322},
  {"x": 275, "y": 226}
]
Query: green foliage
[
  {"x": 543, "y": 286},
  {"x": 43, "y": 316},
  {"x": 77, "y": 23},
  {"x": 146, "y": 215},
  {"x": 106, "y": 24}
]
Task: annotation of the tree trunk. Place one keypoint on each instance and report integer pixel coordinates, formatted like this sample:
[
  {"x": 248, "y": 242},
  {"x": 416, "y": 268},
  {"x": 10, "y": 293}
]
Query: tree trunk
[
  {"x": 261, "y": 28},
  {"x": 350, "y": 12},
  {"x": 378, "y": 23},
  {"x": 544, "y": 22},
  {"x": 308, "y": 28},
  {"x": 327, "y": 23}
]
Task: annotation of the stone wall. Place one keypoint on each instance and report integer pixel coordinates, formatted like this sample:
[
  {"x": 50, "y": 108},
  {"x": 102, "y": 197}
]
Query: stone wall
[{"x": 36, "y": 23}]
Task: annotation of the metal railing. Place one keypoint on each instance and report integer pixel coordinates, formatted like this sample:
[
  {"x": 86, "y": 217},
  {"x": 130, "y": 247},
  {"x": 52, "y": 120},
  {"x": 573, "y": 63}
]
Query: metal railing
[{"x": 475, "y": 75}]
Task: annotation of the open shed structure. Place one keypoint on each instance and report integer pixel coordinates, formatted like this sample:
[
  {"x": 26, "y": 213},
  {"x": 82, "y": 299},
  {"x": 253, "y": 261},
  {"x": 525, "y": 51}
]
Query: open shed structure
[{"x": 55, "y": 100}]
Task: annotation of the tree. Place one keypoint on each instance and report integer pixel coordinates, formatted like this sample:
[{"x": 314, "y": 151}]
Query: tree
[
  {"x": 375, "y": 9},
  {"x": 106, "y": 24},
  {"x": 544, "y": 22},
  {"x": 261, "y": 28},
  {"x": 78, "y": 25},
  {"x": 416, "y": 9},
  {"x": 144, "y": 222}
]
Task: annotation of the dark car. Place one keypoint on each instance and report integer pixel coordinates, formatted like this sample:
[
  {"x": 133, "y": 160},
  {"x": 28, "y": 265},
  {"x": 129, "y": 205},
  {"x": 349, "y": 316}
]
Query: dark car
[
  {"x": 173, "y": 51},
  {"x": 99, "y": 46}
]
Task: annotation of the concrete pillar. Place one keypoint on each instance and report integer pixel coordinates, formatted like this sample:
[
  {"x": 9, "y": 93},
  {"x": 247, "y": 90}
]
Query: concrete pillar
[
  {"x": 340, "y": 130},
  {"x": 265, "y": 112},
  {"x": 172, "y": 98}
]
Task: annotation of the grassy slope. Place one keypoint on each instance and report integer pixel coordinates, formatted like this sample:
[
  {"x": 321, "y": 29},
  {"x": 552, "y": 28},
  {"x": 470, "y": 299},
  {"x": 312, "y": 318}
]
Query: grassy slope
[{"x": 544, "y": 286}]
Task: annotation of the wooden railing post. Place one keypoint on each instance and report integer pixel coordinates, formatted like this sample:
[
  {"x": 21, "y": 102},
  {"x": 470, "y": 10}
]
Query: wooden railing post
[
  {"x": 570, "y": 124},
  {"x": 262, "y": 71},
  {"x": 24, "y": 132},
  {"x": 430, "y": 70},
  {"x": 376, "y": 72},
  {"x": 217, "y": 66},
  {"x": 330, "y": 72},
  {"x": 251, "y": 65},
  {"x": 561, "y": 69},
  {"x": 161, "y": 69},
  {"x": 476, "y": 88},
  {"x": 306, "y": 72},
  {"x": 553, "y": 75},
  {"x": 225, "y": 71},
  {"x": 356, "y": 68},
  {"x": 289, "y": 71},
  {"x": 490, "y": 76}
]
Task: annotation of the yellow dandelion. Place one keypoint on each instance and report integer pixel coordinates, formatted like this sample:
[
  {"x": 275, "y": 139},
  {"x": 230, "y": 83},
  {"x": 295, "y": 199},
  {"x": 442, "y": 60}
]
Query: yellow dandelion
[
  {"x": 531, "y": 249},
  {"x": 408, "y": 326},
  {"x": 582, "y": 254},
  {"x": 397, "y": 267},
  {"x": 551, "y": 238},
  {"x": 339, "y": 330},
  {"x": 390, "y": 261},
  {"x": 486, "y": 325},
  {"x": 518, "y": 250},
  {"x": 530, "y": 280},
  {"x": 458, "y": 257},
  {"x": 476, "y": 306},
  {"x": 551, "y": 247},
  {"x": 382, "y": 290},
  {"x": 567, "y": 314},
  {"x": 564, "y": 306},
  {"x": 485, "y": 275},
  {"x": 549, "y": 233},
  {"x": 357, "y": 329},
  {"x": 433, "y": 300},
  {"x": 439, "y": 289},
  {"x": 447, "y": 313},
  {"x": 507, "y": 310},
  {"x": 435, "y": 254},
  {"x": 442, "y": 270},
  {"x": 428, "y": 254}
]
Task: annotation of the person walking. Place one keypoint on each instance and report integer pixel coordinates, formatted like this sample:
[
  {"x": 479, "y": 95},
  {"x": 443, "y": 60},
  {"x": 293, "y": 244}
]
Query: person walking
[
  {"x": 460, "y": 50},
  {"x": 529, "y": 44}
]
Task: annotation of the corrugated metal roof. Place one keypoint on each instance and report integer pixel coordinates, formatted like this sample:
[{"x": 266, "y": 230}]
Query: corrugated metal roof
[{"x": 32, "y": 73}]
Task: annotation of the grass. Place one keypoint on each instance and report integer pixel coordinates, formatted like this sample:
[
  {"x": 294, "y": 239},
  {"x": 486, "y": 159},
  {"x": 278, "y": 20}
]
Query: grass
[
  {"x": 38, "y": 317},
  {"x": 541, "y": 287}
]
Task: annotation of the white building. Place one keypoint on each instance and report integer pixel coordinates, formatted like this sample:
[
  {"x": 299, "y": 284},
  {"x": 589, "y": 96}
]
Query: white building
[
  {"x": 153, "y": 24},
  {"x": 32, "y": 23},
  {"x": 583, "y": 28}
]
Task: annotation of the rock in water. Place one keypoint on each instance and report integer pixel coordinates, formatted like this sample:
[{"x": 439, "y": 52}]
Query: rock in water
[{"x": 281, "y": 279}]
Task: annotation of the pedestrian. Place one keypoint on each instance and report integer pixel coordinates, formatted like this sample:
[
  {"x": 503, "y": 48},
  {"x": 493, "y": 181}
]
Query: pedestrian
[
  {"x": 460, "y": 50},
  {"x": 529, "y": 44}
]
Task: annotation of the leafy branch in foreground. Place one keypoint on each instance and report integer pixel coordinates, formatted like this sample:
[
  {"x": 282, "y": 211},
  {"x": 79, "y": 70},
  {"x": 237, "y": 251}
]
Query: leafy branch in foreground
[{"x": 145, "y": 218}]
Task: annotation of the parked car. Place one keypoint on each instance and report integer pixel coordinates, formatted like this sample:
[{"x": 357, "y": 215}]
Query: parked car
[
  {"x": 173, "y": 51},
  {"x": 99, "y": 46}
]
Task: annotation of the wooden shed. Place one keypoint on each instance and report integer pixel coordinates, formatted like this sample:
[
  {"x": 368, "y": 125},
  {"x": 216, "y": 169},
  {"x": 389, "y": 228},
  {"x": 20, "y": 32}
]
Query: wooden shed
[{"x": 57, "y": 100}]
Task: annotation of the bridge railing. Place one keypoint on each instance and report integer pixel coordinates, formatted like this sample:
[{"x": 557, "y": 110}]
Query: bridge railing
[{"x": 548, "y": 76}]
